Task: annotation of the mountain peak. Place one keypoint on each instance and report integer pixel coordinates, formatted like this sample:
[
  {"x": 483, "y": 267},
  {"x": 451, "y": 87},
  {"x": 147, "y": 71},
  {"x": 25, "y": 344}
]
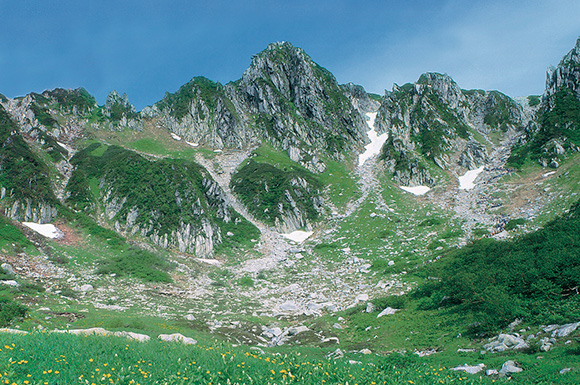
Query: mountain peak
[{"x": 567, "y": 74}]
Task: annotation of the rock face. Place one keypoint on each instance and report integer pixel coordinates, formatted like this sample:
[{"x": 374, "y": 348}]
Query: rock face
[
  {"x": 283, "y": 97},
  {"x": 120, "y": 112},
  {"x": 360, "y": 99},
  {"x": 434, "y": 122},
  {"x": 566, "y": 75},
  {"x": 205, "y": 112},
  {"x": 553, "y": 133}
]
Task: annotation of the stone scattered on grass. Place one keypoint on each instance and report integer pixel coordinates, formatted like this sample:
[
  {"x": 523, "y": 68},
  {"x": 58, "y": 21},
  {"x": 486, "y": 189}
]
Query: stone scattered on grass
[
  {"x": 508, "y": 368},
  {"x": 471, "y": 369},
  {"x": 388, "y": 311},
  {"x": 176, "y": 337}
]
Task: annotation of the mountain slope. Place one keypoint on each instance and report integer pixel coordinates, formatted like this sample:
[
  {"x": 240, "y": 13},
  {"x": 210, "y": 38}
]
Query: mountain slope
[{"x": 174, "y": 203}]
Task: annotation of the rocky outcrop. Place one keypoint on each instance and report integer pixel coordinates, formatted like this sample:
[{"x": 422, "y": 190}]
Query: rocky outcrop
[
  {"x": 298, "y": 103},
  {"x": 204, "y": 112},
  {"x": 120, "y": 112},
  {"x": 565, "y": 75},
  {"x": 553, "y": 136},
  {"x": 434, "y": 122},
  {"x": 360, "y": 99}
]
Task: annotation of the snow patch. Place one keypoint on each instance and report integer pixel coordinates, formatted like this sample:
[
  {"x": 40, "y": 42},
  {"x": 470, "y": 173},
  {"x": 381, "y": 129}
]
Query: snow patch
[
  {"x": 466, "y": 181},
  {"x": 214, "y": 262},
  {"x": 548, "y": 174},
  {"x": 47, "y": 230},
  {"x": 298, "y": 235},
  {"x": 417, "y": 190},
  {"x": 175, "y": 136},
  {"x": 377, "y": 141},
  {"x": 70, "y": 151},
  {"x": 192, "y": 144}
]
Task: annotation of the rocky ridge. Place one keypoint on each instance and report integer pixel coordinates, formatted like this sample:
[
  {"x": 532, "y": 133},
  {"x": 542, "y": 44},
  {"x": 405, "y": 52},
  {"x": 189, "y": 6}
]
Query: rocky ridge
[{"x": 435, "y": 123}]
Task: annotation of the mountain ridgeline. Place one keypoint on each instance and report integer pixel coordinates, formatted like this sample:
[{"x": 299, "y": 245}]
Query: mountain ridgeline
[{"x": 55, "y": 153}]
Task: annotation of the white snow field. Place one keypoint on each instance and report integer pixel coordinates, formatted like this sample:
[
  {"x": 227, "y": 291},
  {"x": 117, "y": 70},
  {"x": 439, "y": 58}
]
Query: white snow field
[
  {"x": 417, "y": 190},
  {"x": 47, "y": 230},
  {"x": 377, "y": 141},
  {"x": 298, "y": 236},
  {"x": 466, "y": 181}
]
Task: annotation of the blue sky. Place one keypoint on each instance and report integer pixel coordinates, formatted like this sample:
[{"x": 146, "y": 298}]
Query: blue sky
[{"x": 146, "y": 47}]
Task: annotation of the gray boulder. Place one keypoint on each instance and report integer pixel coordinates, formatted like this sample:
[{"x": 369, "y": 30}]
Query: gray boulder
[
  {"x": 508, "y": 368},
  {"x": 388, "y": 311},
  {"x": 471, "y": 369},
  {"x": 176, "y": 337},
  {"x": 8, "y": 268}
]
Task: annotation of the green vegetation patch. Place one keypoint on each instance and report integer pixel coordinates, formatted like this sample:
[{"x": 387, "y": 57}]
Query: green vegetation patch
[
  {"x": 138, "y": 263},
  {"x": 23, "y": 175},
  {"x": 199, "y": 87},
  {"x": 10, "y": 310},
  {"x": 263, "y": 189},
  {"x": 63, "y": 359},
  {"x": 534, "y": 277},
  {"x": 561, "y": 121},
  {"x": 12, "y": 238}
]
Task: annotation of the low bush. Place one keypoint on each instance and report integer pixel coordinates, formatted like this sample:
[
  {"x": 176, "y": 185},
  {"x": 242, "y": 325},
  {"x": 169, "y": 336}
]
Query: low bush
[
  {"x": 534, "y": 277},
  {"x": 10, "y": 310}
]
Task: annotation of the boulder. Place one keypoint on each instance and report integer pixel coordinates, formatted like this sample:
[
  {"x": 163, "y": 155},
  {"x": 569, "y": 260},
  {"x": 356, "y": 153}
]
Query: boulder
[
  {"x": 336, "y": 354},
  {"x": 176, "y": 337},
  {"x": 273, "y": 332},
  {"x": 90, "y": 331},
  {"x": 504, "y": 342},
  {"x": 566, "y": 330},
  {"x": 7, "y": 268},
  {"x": 361, "y": 298},
  {"x": 471, "y": 369},
  {"x": 370, "y": 308},
  {"x": 297, "y": 329},
  {"x": 86, "y": 288},
  {"x": 289, "y": 306},
  {"x": 508, "y": 368},
  {"x": 13, "y": 331},
  {"x": 133, "y": 336},
  {"x": 388, "y": 311}
]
